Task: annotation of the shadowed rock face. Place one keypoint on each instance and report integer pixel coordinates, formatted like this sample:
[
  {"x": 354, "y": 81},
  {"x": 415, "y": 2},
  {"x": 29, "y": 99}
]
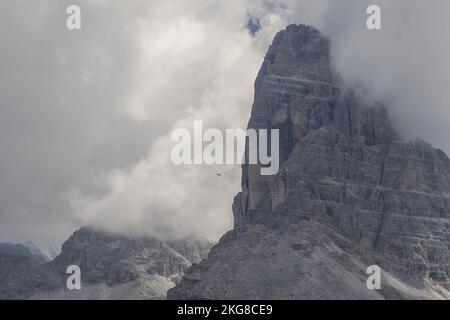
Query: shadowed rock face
[
  {"x": 348, "y": 194},
  {"x": 36, "y": 257},
  {"x": 20, "y": 271},
  {"x": 19, "y": 276}
]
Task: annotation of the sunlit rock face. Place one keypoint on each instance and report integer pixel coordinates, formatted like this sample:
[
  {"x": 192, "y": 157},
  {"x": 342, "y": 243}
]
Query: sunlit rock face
[{"x": 348, "y": 194}]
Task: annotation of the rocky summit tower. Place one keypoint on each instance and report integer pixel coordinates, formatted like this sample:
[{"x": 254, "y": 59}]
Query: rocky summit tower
[{"x": 348, "y": 195}]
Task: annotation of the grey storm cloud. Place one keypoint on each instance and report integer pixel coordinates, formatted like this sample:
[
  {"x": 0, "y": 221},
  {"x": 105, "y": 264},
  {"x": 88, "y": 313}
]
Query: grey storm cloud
[{"x": 86, "y": 115}]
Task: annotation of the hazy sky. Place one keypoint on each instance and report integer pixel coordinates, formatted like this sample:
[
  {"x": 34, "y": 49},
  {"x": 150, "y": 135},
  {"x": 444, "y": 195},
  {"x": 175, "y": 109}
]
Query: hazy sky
[{"x": 86, "y": 115}]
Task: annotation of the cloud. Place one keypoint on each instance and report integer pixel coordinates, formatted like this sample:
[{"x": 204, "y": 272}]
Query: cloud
[
  {"x": 405, "y": 65},
  {"x": 86, "y": 116}
]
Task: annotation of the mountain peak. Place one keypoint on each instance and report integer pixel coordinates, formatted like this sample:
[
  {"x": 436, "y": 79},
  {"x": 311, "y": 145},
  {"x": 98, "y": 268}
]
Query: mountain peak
[
  {"x": 348, "y": 195},
  {"x": 299, "y": 51}
]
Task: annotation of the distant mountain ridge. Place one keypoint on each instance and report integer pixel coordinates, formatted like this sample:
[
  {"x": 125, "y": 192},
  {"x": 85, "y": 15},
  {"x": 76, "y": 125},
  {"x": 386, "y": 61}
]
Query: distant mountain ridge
[
  {"x": 112, "y": 267},
  {"x": 27, "y": 249}
]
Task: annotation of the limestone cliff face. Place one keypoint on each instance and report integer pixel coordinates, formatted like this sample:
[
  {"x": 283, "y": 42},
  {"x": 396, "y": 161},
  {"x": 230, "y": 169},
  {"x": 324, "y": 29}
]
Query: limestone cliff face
[
  {"x": 113, "y": 259},
  {"x": 348, "y": 194}
]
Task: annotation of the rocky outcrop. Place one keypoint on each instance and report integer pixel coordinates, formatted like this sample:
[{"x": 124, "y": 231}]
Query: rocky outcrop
[
  {"x": 20, "y": 276},
  {"x": 114, "y": 259},
  {"x": 348, "y": 194},
  {"x": 20, "y": 271}
]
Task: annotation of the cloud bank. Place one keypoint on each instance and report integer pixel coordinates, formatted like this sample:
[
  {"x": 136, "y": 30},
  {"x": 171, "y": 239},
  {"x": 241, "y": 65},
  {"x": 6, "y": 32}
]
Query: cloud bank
[{"x": 86, "y": 116}]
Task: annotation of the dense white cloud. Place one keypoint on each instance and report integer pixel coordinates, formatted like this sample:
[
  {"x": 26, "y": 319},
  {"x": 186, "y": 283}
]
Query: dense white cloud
[{"x": 86, "y": 116}]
